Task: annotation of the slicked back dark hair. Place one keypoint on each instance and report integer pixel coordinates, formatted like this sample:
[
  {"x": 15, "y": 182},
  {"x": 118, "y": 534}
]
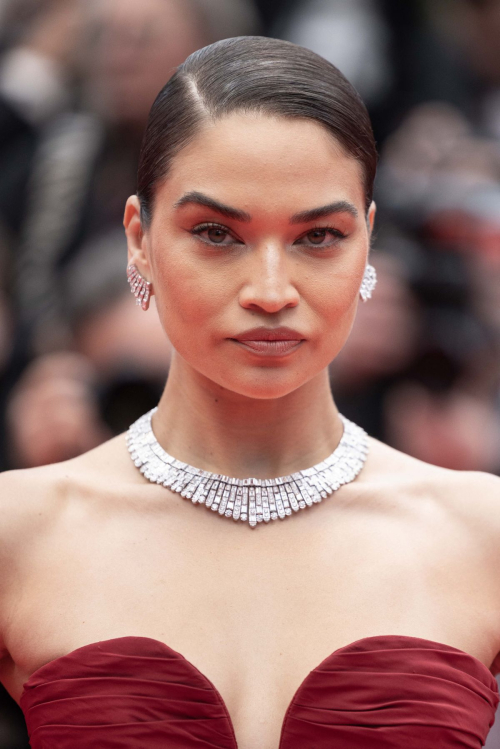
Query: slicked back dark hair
[{"x": 253, "y": 74}]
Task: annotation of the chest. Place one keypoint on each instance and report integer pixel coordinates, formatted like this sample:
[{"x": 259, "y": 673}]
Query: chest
[{"x": 254, "y": 615}]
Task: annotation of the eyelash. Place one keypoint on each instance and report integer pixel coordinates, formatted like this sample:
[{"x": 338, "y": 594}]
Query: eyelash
[
  {"x": 335, "y": 233},
  {"x": 209, "y": 225}
]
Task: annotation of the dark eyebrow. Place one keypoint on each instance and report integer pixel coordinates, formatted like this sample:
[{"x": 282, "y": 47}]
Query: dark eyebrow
[
  {"x": 225, "y": 210},
  {"x": 341, "y": 206}
]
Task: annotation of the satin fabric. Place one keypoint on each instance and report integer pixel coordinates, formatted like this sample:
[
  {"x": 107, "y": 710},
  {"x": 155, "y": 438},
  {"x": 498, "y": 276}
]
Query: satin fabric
[{"x": 381, "y": 692}]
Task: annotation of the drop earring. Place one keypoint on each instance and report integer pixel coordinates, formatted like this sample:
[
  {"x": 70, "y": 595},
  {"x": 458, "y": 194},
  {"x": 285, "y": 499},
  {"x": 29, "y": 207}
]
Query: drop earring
[
  {"x": 368, "y": 283},
  {"x": 139, "y": 287}
]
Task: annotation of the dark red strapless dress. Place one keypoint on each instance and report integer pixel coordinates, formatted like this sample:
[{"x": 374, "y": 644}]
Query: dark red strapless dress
[{"x": 381, "y": 692}]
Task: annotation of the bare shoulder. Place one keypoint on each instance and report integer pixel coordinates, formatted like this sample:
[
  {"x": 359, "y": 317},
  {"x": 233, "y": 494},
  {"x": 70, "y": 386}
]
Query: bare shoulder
[
  {"x": 29, "y": 497},
  {"x": 28, "y": 501},
  {"x": 471, "y": 496},
  {"x": 37, "y": 504},
  {"x": 33, "y": 500}
]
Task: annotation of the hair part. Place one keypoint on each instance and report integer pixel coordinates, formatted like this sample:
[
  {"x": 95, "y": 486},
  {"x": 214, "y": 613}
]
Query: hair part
[{"x": 252, "y": 74}]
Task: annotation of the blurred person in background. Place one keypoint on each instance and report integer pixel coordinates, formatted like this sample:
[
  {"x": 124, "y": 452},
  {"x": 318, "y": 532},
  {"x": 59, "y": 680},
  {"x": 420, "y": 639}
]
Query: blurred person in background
[
  {"x": 439, "y": 182},
  {"x": 352, "y": 34},
  {"x": 70, "y": 401},
  {"x": 38, "y": 40}
]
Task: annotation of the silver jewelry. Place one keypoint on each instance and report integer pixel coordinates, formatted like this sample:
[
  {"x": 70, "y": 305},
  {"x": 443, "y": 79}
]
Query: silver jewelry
[
  {"x": 368, "y": 283},
  {"x": 139, "y": 287},
  {"x": 255, "y": 500}
]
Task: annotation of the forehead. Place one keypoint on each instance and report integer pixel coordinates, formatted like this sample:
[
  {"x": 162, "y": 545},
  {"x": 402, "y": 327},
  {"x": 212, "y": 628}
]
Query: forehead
[{"x": 248, "y": 158}]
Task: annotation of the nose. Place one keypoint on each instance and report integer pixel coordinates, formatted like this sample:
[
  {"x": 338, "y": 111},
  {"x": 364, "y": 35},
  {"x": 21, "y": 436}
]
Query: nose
[{"x": 268, "y": 285}]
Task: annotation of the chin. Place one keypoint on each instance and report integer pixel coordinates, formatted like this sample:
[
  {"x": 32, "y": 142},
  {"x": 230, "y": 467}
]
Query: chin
[{"x": 265, "y": 386}]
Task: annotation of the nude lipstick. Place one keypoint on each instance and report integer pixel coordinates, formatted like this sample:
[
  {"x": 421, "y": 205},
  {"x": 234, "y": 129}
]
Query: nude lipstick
[{"x": 270, "y": 341}]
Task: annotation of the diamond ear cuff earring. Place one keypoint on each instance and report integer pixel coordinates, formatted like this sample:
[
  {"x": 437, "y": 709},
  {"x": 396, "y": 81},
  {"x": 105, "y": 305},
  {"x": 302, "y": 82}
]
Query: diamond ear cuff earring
[
  {"x": 368, "y": 283},
  {"x": 139, "y": 287}
]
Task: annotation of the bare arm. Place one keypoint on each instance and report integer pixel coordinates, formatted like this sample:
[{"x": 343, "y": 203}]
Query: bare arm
[
  {"x": 483, "y": 495},
  {"x": 27, "y": 499}
]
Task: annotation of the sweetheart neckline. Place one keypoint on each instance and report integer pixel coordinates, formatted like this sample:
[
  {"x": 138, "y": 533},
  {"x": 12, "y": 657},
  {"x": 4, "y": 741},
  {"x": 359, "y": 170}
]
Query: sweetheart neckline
[{"x": 370, "y": 639}]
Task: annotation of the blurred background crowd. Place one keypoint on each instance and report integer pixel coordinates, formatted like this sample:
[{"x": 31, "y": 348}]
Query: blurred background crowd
[{"x": 79, "y": 361}]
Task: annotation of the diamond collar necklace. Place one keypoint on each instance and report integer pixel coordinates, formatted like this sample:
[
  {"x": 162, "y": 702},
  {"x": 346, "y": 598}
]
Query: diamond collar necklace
[{"x": 252, "y": 500}]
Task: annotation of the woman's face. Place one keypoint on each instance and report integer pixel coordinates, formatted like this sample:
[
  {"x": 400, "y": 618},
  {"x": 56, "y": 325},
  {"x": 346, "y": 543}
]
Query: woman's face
[{"x": 260, "y": 224}]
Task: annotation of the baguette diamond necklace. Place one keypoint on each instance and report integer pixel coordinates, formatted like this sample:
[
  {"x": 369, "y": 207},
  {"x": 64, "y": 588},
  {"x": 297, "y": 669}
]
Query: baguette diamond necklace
[{"x": 252, "y": 500}]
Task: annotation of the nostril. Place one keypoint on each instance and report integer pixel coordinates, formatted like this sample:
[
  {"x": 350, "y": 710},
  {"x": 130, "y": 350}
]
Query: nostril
[{"x": 253, "y": 297}]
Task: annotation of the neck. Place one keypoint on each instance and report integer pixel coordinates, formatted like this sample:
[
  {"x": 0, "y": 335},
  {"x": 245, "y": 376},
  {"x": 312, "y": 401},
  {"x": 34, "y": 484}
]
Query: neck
[{"x": 205, "y": 425}]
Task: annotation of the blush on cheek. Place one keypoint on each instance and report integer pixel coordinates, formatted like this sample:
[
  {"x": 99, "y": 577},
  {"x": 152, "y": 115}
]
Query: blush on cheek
[
  {"x": 195, "y": 291},
  {"x": 188, "y": 315},
  {"x": 335, "y": 299},
  {"x": 340, "y": 315}
]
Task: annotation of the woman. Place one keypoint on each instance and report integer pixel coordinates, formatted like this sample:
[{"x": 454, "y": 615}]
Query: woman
[{"x": 131, "y": 617}]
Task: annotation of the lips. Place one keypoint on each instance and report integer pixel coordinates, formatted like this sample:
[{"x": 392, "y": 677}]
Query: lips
[{"x": 270, "y": 341}]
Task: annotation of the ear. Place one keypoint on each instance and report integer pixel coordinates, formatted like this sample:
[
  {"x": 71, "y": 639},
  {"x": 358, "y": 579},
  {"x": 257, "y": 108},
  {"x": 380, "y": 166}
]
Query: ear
[
  {"x": 137, "y": 240},
  {"x": 371, "y": 217}
]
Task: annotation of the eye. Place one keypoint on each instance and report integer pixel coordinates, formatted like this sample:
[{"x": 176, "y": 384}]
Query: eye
[
  {"x": 321, "y": 236},
  {"x": 215, "y": 234}
]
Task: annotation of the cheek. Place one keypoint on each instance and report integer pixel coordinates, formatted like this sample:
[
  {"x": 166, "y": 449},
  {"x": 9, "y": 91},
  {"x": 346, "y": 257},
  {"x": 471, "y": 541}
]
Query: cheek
[
  {"x": 334, "y": 294},
  {"x": 188, "y": 299}
]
